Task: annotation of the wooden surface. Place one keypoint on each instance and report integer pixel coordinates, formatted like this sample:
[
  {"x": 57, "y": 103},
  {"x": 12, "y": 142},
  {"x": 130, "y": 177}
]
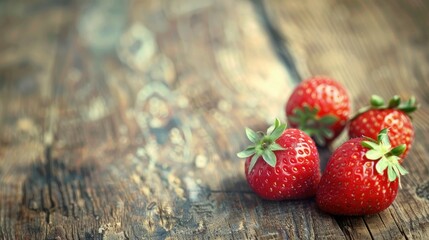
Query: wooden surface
[{"x": 121, "y": 119}]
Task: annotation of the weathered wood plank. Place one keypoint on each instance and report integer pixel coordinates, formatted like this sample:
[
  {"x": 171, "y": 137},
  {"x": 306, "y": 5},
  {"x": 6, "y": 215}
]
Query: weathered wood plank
[
  {"x": 121, "y": 119},
  {"x": 28, "y": 47},
  {"x": 371, "y": 47}
]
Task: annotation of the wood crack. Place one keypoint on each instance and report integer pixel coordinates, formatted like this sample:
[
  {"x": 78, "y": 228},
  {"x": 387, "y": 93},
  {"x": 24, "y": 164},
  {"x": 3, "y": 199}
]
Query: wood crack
[
  {"x": 368, "y": 228},
  {"x": 343, "y": 229},
  {"x": 400, "y": 228},
  {"x": 278, "y": 41},
  {"x": 49, "y": 181}
]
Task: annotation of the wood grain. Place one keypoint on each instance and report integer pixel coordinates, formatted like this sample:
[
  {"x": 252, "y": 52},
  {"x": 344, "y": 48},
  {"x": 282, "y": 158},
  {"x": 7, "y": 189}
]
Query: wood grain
[{"x": 121, "y": 119}]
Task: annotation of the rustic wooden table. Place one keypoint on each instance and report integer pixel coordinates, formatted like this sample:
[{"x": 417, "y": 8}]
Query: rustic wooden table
[{"x": 121, "y": 119}]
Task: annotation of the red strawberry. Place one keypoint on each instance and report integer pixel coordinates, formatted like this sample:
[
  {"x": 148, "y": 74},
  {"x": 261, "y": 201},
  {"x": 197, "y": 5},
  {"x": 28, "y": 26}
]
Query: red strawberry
[
  {"x": 320, "y": 107},
  {"x": 282, "y": 164},
  {"x": 362, "y": 177},
  {"x": 394, "y": 116}
]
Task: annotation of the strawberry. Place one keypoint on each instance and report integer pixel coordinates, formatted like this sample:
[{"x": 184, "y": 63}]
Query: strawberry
[
  {"x": 361, "y": 177},
  {"x": 282, "y": 164},
  {"x": 394, "y": 116},
  {"x": 320, "y": 107}
]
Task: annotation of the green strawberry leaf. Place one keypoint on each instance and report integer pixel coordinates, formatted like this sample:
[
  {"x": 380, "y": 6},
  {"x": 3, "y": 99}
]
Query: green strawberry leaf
[
  {"x": 391, "y": 173},
  {"x": 269, "y": 157},
  {"x": 277, "y": 123},
  {"x": 381, "y": 165},
  {"x": 397, "y": 151},
  {"x": 373, "y": 154},
  {"x": 270, "y": 129},
  {"x": 277, "y": 132},
  {"x": 376, "y": 101},
  {"x": 328, "y": 120},
  {"x": 393, "y": 159},
  {"x": 246, "y": 152},
  {"x": 411, "y": 101},
  {"x": 395, "y": 168},
  {"x": 370, "y": 145},
  {"x": 294, "y": 119},
  {"x": 408, "y": 109},
  {"x": 252, "y": 135},
  {"x": 383, "y": 138},
  {"x": 298, "y": 112},
  {"x": 402, "y": 170},
  {"x": 276, "y": 147},
  {"x": 394, "y": 102},
  {"x": 253, "y": 162}
]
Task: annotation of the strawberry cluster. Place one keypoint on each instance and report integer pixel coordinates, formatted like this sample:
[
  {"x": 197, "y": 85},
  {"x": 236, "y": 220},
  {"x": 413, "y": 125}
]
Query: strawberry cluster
[{"x": 362, "y": 175}]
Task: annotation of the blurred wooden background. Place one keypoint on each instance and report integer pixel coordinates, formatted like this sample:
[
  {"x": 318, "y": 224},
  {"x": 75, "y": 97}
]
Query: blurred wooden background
[{"x": 121, "y": 119}]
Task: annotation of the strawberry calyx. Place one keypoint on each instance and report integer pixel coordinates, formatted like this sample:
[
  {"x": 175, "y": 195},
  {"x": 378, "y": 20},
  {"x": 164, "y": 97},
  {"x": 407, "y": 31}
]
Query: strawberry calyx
[
  {"x": 377, "y": 102},
  {"x": 388, "y": 158},
  {"x": 263, "y": 144},
  {"x": 315, "y": 126}
]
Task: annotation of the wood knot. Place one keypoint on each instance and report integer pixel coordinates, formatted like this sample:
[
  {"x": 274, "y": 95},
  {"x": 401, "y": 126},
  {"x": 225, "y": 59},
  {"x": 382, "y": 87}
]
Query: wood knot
[{"x": 423, "y": 190}]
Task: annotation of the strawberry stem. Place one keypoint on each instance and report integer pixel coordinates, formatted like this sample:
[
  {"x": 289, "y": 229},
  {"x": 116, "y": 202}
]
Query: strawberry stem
[
  {"x": 317, "y": 127},
  {"x": 381, "y": 150},
  {"x": 263, "y": 145}
]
